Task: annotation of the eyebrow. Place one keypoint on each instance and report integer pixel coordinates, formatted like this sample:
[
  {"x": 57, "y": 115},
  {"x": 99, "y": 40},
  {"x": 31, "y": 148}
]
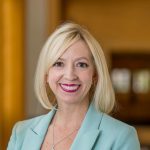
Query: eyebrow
[{"x": 77, "y": 59}]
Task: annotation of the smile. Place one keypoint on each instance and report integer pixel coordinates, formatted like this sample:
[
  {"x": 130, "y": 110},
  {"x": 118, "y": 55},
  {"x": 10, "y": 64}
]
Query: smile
[{"x": 69, "y": 87}]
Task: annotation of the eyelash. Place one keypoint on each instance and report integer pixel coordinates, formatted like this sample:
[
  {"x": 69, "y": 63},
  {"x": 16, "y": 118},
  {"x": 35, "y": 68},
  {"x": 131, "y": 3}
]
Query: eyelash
[
  {"x": 58, "y": 64},
  {"x": 82, "y": 65}
]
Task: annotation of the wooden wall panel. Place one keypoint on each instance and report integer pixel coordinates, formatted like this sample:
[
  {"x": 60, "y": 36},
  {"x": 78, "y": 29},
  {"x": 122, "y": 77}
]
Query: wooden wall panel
[
  {"x": 1, "y": 75},
  {"x": 117, "y": 24},
  {"x": 12, "y": 61}
]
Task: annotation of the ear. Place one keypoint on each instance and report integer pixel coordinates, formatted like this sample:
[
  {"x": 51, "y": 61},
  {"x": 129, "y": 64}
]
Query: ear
[
  {"x": 95, "y": 76},
  {"x": 46, "y": 78},
  {"x": 95, "y": 79}
]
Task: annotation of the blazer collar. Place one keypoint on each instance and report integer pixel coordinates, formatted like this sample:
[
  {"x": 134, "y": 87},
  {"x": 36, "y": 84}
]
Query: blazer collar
[
  {"x": 89, "y": 131},
  {"x": 36, "y": 133},
  {"x": 85, "y": 139}
]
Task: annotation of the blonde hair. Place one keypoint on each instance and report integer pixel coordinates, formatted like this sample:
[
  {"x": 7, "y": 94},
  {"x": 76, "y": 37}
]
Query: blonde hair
[{"x": 64, "y": 36}]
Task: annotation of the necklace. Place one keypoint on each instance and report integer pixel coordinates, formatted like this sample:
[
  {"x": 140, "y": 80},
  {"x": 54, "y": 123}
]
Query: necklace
[{"x": 64, "y": 138}]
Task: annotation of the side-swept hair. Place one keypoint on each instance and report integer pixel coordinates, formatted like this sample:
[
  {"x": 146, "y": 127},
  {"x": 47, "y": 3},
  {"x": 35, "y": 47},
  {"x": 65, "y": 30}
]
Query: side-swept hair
[{"x": 62, "y": 38}]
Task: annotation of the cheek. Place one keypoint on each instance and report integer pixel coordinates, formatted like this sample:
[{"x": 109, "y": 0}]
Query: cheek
[
  {"x": 87, "y": 78},
  {"x": 52, "y": 78}
]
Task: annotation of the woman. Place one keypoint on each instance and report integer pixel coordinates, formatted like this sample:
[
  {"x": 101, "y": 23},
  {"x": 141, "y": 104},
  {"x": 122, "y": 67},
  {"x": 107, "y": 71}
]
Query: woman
[{"x": 72, "y": 80}]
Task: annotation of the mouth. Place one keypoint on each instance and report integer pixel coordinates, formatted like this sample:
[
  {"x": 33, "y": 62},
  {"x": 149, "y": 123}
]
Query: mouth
[{"x": 70, "y": 87}]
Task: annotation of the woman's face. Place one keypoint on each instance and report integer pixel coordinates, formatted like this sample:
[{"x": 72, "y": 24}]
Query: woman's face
[{"x": 70, "y": 77}]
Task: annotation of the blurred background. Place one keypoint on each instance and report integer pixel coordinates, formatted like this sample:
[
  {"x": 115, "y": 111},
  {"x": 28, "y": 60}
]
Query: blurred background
[{"x": 121, "y": 27}]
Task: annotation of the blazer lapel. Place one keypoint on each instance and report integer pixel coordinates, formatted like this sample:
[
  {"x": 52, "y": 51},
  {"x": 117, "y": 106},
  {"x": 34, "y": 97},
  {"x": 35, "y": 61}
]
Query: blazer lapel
[
  {"x": 85, "y": 139},
  {"x": 35, "y": 134},
  {"x": 89, "y": 131}
]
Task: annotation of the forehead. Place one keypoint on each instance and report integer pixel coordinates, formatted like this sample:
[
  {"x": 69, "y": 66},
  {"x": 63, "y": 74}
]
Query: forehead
[{"x": 77, "y": 49}]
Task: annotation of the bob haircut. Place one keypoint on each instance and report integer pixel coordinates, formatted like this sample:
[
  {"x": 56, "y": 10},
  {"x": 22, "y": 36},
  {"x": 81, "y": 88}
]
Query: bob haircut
[{"x": 61, "y": 39}]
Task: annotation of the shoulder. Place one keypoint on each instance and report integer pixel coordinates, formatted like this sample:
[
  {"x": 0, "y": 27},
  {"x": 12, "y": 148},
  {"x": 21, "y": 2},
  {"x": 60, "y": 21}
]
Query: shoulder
[
  {"x": 110, "y": 123},
  {"x": 23, "y": 130},
  {"x": 116, "y": 127},
  {"x": 25, "y": 124},
  {"x": 20, "y": 129},
  {"x": 119, "y": 133}
]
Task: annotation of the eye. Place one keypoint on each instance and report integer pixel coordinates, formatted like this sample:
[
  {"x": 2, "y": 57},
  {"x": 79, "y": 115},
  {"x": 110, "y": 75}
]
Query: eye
[
  {"x": 82, "y": 65},
  {"x": 58, "y": 64}
]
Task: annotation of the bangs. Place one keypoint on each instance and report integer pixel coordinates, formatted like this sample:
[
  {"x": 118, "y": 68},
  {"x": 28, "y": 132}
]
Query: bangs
[{"x": 57, "y": 49}]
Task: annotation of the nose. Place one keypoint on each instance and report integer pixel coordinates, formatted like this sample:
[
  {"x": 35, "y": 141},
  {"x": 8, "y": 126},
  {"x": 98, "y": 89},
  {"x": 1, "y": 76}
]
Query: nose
[{"x": 70, "y": 73}]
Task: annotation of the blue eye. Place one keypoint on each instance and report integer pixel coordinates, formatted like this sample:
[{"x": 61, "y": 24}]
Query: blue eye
[
  {"x": 82, "y": 65},
  {"x": 58, "y": 64}
]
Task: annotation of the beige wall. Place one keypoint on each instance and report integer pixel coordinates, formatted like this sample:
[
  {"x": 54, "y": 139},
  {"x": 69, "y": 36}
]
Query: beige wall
[
  {"x": 36, "y": 33},
  {"x": 40, "y": 22}
]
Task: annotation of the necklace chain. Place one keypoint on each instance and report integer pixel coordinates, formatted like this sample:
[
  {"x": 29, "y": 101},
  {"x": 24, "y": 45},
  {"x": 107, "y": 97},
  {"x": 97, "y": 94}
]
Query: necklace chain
[{"x": 64, "y": 138}]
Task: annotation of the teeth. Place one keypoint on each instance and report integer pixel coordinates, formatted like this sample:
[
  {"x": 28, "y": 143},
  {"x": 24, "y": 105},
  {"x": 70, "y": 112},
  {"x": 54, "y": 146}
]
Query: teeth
[{"x": 70, "y": 87}]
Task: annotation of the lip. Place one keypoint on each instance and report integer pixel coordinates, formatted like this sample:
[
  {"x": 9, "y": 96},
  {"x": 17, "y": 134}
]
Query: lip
[{"x": 70, "y": 88}]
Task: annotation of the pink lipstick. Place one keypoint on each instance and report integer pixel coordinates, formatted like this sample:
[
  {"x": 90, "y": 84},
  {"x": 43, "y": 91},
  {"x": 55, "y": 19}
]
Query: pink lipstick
[{"x": 69, "y": 87}]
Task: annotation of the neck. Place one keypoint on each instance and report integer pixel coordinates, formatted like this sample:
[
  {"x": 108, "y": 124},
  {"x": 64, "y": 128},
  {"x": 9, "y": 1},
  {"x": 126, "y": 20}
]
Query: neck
[{"x": 71, "y": 115}]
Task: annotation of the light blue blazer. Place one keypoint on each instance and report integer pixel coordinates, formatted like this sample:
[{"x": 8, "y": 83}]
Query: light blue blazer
[{"x": 98, "y": 132}]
